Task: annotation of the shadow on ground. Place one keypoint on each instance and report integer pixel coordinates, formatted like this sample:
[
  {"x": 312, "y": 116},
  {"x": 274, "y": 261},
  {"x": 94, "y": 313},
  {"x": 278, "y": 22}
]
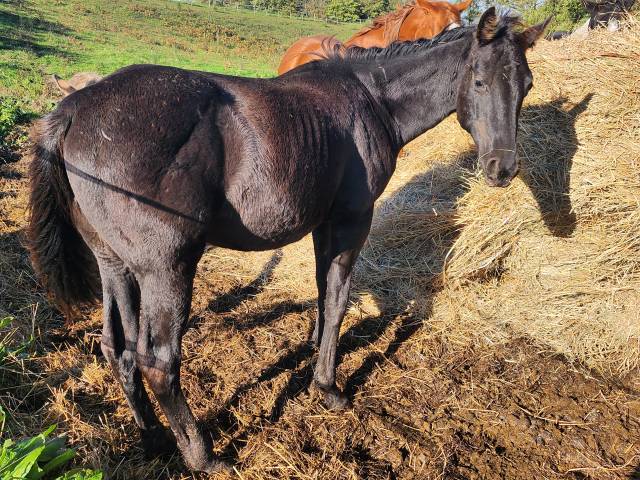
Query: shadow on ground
[
  {"x": 551, "y": 129},
  {"x": 23, "y": 30}
]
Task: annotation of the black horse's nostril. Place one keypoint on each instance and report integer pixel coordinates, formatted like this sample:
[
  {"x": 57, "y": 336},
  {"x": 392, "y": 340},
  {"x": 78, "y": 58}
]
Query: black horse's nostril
[
  {"x": 504, "y": 174},
  {"x": 492, "y": 168}
]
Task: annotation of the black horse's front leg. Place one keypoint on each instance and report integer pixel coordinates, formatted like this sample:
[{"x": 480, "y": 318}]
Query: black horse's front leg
[{"x": 340, "y": 244}]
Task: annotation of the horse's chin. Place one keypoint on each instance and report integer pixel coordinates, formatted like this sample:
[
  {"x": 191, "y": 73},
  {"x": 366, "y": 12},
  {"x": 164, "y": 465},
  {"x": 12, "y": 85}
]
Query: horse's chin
[{"x": 498, "y": 183}]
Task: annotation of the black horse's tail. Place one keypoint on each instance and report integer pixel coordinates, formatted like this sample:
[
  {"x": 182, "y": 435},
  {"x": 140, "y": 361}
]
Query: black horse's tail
[{"x": 60, "y": 257}]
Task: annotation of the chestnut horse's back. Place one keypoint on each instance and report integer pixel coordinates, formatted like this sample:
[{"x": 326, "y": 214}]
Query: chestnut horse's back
[
  {"x": 412, "y": 21},
  {"x": 306, "y": 50}
]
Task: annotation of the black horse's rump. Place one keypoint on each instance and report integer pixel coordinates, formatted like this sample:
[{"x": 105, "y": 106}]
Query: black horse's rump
[{"x": 152, "y": 163}]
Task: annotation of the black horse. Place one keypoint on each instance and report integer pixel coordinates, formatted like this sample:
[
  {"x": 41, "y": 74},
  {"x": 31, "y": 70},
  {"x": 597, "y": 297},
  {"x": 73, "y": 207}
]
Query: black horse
[
  {"x": 153, "y": 163},
  {"x": 602, "y": 14},
  {"x": 607, "y": 13}
]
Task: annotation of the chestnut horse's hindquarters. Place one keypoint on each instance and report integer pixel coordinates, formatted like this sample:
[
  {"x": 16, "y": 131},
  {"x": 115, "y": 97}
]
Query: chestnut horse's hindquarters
[{"x": 59, "y": 255}]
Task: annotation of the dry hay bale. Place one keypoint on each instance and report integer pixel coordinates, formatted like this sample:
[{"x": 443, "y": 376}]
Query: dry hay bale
[{"x": 557, "y": 255}]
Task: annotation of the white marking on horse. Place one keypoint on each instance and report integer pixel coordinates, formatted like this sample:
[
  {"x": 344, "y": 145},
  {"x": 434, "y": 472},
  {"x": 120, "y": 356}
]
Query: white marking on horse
[{"x": 105, "y": 135}]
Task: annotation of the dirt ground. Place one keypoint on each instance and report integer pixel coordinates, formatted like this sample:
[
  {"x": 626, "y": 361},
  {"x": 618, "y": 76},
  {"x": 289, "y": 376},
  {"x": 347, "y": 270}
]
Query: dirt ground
[{"x": 424, "y": 407}]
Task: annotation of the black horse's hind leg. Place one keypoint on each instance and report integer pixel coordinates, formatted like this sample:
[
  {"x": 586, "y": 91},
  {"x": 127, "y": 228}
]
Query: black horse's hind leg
[
  {"x": 119, "y": 339},
  {"x": 342, "y": 242},
  {"x": 321, "y": 247},
  {"x": 165, "y": 304}
]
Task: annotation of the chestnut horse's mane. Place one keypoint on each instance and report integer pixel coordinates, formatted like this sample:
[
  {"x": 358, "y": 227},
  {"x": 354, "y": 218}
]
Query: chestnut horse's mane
[{"x": 391, "y": 22}]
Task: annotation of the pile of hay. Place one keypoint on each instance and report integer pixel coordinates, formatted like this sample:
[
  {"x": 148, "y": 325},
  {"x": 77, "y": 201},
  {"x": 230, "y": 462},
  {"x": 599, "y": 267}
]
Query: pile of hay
[{"x": 555, "y": 257}]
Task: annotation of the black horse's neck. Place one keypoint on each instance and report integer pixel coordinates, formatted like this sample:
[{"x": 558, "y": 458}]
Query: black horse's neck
[{"x": 419, "y": 89}]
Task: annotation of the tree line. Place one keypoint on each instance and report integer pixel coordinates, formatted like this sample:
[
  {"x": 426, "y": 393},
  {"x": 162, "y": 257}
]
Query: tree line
[{"x": 566, "y": 13}]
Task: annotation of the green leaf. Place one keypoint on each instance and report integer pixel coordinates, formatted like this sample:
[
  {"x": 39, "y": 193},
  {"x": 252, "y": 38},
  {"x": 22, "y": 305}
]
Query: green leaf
[
  {"x": 36, "y": 457},
  {"x": 80, "y": 474},
  {"x": 58, "y": 461},
  {"x": 26, "y": 463},
  {"x": 3, "y": 416},
  {"x": 53, "y": 448},
  {"x": 6, "y": 455},
  {"x": 49, "y": 430},
  {"x": 5, "y": 322}
]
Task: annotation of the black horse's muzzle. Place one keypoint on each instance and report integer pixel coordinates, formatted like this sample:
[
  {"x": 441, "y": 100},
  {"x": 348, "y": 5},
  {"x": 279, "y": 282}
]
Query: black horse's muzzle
[{"x": 500, "y": 171}]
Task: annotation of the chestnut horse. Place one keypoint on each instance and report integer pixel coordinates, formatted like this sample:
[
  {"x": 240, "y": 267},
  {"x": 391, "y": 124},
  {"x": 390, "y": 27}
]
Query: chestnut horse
[
  {"x": 78, "y": 81},
  {"x": 415, "y": 20},
  {"x": 132, "y": 177}
]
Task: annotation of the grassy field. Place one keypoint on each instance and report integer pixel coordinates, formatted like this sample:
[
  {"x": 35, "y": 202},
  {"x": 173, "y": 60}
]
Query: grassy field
[{"x": 39, "y": 38}]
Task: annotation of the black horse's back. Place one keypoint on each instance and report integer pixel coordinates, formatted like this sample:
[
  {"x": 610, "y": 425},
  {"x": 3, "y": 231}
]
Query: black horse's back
[{"x": 147, "y": 138}]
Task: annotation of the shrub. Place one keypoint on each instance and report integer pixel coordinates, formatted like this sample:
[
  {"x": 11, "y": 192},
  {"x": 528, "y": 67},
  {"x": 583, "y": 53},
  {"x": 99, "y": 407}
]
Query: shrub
[
  {"x": 282, "y": 6},
  {"x": 374, "y": 8},
  {"x": 314, "y": 8},
  {"x": 344, "y": 10},
  {"x": 567, "y": 14}
]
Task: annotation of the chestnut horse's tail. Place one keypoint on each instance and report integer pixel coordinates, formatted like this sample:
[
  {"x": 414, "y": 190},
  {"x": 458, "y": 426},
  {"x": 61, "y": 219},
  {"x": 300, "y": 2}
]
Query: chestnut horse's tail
[{"x": 60, "y": 257}]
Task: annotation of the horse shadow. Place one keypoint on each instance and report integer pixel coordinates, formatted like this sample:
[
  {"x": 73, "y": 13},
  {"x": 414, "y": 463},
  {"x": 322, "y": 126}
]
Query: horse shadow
[
  {"x": 19, "y": 31},
  {"x": 232, "y": 299},
  {"x": 444, "y": 185},
  {"x": 299, "y": 360},
  {"x": 548, "y": 139}
]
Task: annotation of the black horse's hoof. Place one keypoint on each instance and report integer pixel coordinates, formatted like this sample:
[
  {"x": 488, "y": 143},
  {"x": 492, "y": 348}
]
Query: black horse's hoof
[
  {"x": 213, "y": 465},
  {"x": 217, "y": 466},
  {"x": 337, "y": 401},
  {"x": 333, "y": 398},
  {"x": 157, "y": 441}
]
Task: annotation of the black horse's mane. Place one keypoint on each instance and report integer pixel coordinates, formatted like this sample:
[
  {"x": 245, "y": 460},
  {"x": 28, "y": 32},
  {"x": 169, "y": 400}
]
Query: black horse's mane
[{"x": 504, "y": 27}]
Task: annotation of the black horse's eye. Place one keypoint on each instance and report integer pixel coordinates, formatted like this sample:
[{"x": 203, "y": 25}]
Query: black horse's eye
[{"x": 479, "y": 83}]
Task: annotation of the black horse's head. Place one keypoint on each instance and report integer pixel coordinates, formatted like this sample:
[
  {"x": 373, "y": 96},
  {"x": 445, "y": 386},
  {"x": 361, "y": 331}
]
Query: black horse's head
[
  {"x": 607, "y": 13},
  {"x": 494, "y": 84}
]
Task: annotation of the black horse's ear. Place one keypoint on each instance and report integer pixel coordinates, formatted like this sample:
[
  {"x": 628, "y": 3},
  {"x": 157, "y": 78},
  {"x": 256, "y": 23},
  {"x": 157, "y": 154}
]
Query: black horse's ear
[
  {"x": 487, "y": 26},
  {"x": 532, "y": 34}
]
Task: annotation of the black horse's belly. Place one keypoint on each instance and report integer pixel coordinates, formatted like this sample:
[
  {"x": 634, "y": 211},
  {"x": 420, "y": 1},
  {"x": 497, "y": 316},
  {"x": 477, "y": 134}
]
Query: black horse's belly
[
  {"x": 259, "y": 213},
  {"x": 231, "y": 232}
]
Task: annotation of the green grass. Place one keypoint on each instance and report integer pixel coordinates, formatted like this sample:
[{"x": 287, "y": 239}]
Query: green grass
[{"x": 42, "y": 37}]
